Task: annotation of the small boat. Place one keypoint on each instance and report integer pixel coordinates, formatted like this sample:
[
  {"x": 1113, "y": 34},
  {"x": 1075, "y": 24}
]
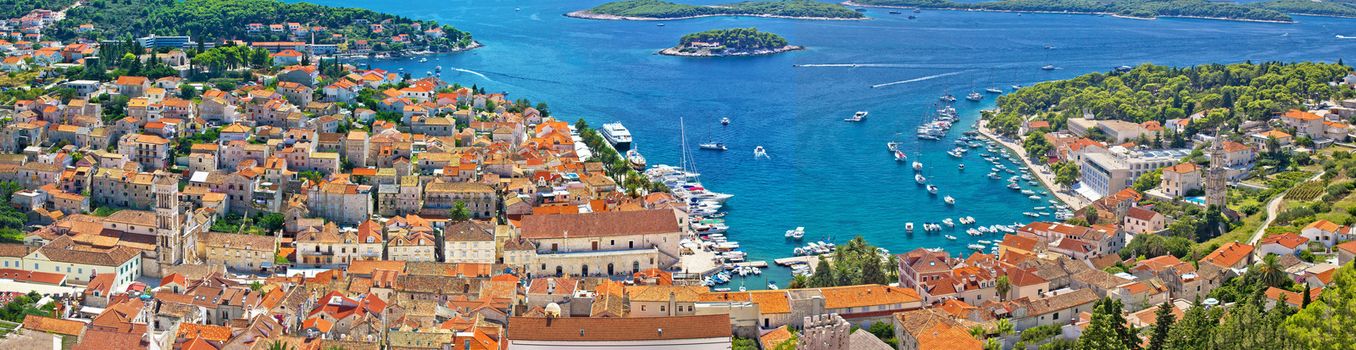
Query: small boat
[
  {"x": 892, "y": 146},
  {"x": 423, "y": 59},
  {"x": 994, "y": 90},
  {"x": 856, "y": 117},
  {"x": 932, "y": 189},
  {"x": 948, "y": 98},
  {"x": 1034, "y": 197},
  {"x": 917, "y": 166},
  {"x": 438, "y": 68},
  {"x": 637, "y": 161},
  {"x": 950, "y": 237},
  {"x": 960, "y": 166},
  {"x": 908, "y": 226},
  {"x": 659, "y": 24},
  {"x": 759, "y": 152},
  {"x": 913, "y": 17},
  {"x": 796, "y": 233},
  {"x": 517, "y": 9},
  {"x": 994, "y": 176},
  {"x": 948, "y": 222},
  {"x": 1031, "y": 214},
  {"x": 1048, "y": 67},
  {"x": 725, "y": 121},
  {"x": 714, "y": 146},
  {"x": 917, "y": 10},
  {"x": 949, "y": 200},
  {"x": 772, "y": 285},
  {"x": 974, "y": 96},
  {"x": 920, "y": 179},
  {"x": 1016, "y": 87},
  {"x": 899, "y": 156},
  {"x": 895, "y": 12}
]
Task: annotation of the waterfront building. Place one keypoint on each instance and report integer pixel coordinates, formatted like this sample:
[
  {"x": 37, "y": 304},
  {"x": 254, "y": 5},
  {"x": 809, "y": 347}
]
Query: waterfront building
[{"x": 1114, "y": 170}]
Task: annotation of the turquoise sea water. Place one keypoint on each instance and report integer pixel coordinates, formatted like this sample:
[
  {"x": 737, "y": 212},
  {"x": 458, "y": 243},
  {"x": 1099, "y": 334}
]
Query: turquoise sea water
[{"x": 832, "y": 177}]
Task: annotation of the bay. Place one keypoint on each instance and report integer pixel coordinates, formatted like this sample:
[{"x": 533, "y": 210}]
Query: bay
[{"x": 833, "y": 178}]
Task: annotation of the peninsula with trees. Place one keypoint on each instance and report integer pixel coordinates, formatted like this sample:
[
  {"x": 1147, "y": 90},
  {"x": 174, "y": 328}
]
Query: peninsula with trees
[
  {"x": 1264, "y": 11},
  {"x": 642, "y": 10},
  {"x": 347, "y": 29},
  {"x": 730, "y": 42}
]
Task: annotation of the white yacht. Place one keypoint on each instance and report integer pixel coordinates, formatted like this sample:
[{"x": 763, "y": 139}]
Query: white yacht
[
  {"x": 725, "y": 121},
  {"x": 796, "y": 233},
  {"x": 932, "y": 189},
  {"x": 637, "y": 161},
  {"x": 949, "y": 200},
  {"x": 857, "y": 117},
  {"x": 617, "y": 134},
  {"x": 920, "y": 179},
  {"x": 974, "y": 96}
]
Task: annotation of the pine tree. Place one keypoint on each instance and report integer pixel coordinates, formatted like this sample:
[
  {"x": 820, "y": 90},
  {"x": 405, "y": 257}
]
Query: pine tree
[
  {"x": 1162, "y": 324},
  {"x": 1194, "y": 330},
  {"x": 823, "y": 276},
  {"x": 1107, "y": 329},
  {"x": 1307, "y": 298}
]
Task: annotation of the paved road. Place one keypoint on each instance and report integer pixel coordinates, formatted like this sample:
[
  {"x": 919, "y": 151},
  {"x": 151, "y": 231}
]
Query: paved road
[{"x": 1273, "y": 208}]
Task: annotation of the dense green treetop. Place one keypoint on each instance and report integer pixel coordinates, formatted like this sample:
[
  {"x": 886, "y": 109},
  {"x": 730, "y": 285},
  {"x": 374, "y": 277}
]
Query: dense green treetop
[
  {"x": 785, "y": 8},
  {"x": 1228, "y": 94},
  {"x": 227, "y": 19},
  {"x": 739, "y": 39},
  {"x": 1131, "y": 8}
]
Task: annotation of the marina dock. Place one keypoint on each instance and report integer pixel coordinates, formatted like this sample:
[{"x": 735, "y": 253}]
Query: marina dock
[{"x": 812, "y": 260}]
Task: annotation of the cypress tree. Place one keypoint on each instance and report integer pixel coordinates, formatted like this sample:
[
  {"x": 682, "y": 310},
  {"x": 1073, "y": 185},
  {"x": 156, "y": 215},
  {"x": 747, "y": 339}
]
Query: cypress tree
[{"x": 1162, "y": 324}]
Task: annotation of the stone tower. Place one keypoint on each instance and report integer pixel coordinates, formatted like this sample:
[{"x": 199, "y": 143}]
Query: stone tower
[
  {"x": 168, "y": 223},
  {"x": 1216, "y": 175}
]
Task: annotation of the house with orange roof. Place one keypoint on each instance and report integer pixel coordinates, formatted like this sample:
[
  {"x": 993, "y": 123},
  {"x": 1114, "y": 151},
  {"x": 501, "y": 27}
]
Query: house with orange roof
[
  {"x": 932, "y": 329},
  {"x": 1326, "y": 232},
  {"x": 1140, "y": 294},
  {"x": 1140, "y": 220},
  {"x": 1180, "y": 179},
  {"x": 1282, "y": 244},
  {"x": 1346, "y": 252},
  {"x": 1275, "y": 295},
  {"x": 287, "y": 57},
  {"x": 1224, "y": 262},
  {"x": 132, "y": 86},
  {"x": 1017, "y": 244},
  {"x": 1282, "y": 138},
  {"x": 150, "y": 151},
  {"x": 1305, "y": 123}
]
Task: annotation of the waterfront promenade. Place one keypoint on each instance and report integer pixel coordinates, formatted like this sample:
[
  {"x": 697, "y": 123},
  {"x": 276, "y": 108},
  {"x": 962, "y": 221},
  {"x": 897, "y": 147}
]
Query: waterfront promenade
[{"x": 1042, "y": 171}]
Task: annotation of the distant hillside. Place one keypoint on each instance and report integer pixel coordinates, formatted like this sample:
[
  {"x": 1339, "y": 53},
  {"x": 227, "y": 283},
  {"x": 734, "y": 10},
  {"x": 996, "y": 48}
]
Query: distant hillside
[
  {"x": 18, "y": 8},
  {"x": 658, "y": 9},
  {"x": 1128, "y": 8}
]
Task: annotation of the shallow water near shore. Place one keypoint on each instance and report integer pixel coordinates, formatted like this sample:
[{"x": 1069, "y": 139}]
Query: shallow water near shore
[{"x": 834, "y": 178}]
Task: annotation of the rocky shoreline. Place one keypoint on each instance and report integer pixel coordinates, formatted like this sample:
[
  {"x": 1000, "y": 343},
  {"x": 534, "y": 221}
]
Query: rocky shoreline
[
  {"x": 586, "y": 14},
  {"x": 850, "y": 3},
  {"x": 675, "y": 51}
]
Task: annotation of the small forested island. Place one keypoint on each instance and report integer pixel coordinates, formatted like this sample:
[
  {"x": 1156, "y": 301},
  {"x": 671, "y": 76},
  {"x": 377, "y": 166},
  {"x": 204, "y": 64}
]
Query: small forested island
[
  {"x": 730, "y": 42},
  {"x": 1265, "y": 11},
  {"x": 1225, "y": 95},
  {"x": 664, "y": 10},
  {"x": 253, "y": 21}
]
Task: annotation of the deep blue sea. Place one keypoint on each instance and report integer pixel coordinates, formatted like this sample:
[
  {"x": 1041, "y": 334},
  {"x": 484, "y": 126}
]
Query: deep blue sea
[{"x": 834, "y": 178}]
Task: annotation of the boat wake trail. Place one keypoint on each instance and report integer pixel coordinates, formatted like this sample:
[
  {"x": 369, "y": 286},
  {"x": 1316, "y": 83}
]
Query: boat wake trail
[
  {"x": 918, "y": 79},
  {"x": 468, "y": 71},
  {"x": 1339, "y": 36}
]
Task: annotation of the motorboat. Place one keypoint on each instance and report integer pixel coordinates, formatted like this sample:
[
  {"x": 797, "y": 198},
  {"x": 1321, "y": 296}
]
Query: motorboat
[
  {"x": 974, "y": 96},
  {"x": 949, "y": 200},
  {"x": 900, "y": 156},
  {"x": 892, "y": 146},
  {"x": 960, "y": 166},
  {"x": 725, "y": 121},
  {"x": 920, "y": 179},
  {"x": 637, "y": 161},
  {"x": 796, "y": 233},
  {"x": 1048, "y": 67},
  {"x": 908, "y": 226},
  {"x": 714, "y": 146},
  {"x": 917, "y": 166},
  {"x": 948, "y": 98},
  {"x": 976, "y": 246},
  {"x": 948, "y": 222},
  {"x": 950, "y": 237},
  {"x": 932, "y": 189},
  {"x": 857, "y": 117},
  {"x": 759, "y": 152},
  {"x": 423, "y": 59},
  {"x": 994, "y": 90}
]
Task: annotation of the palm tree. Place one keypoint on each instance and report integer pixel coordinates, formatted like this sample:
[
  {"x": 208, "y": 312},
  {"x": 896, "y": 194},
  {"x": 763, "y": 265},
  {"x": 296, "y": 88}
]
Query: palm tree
[
  {"x": 1004, "y": 327},
  {"x": 279, "y": 345},
  {"x": 799, "y": 281},
  {"x": 1004, "y": 286},
  {"x": 1271, "y": 272}
]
